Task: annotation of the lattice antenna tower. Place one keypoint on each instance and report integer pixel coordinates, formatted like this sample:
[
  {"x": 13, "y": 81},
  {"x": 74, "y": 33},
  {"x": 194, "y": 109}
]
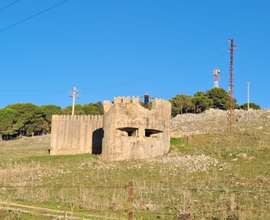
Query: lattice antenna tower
[
  {"x": 216, "y": 73},
  {"x": 231, "y": 88}
]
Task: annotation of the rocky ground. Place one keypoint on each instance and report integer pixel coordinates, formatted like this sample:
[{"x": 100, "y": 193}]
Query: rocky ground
[{"x": 215, "y": 120}]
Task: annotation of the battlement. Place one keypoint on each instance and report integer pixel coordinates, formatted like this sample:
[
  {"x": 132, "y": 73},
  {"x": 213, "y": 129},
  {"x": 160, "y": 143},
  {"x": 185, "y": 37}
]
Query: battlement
[
  {"x": 156, "y": 103},
  {"x": 120, "y": 99},
  {"x": 77, "y": 117}
]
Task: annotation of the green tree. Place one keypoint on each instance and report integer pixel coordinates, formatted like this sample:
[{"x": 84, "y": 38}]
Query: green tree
[
  {"x": 78, "y": 110},
  {"x": 219, "y": 97},
  {"x": 8, "y": 119},
  {"x": 236, "y": 106},
  {"x": 90, "y": 109},
  {"x": 31, "y": 118},
  {"x": 201, "y": 102},
  {"x": 99, "y": 107},
  {"x": 199, "y": 94},
  {"x": 50, "y": 110},
  {"x": 251, "y": 105},
  {"x": 66, "y": 111},
  {"x": 93, "y": 108},
  {"x": 180, "y": 103}
]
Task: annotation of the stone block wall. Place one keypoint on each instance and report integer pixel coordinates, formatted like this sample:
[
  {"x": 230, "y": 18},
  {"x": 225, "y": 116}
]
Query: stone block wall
[{"x": 76, "y": 134}]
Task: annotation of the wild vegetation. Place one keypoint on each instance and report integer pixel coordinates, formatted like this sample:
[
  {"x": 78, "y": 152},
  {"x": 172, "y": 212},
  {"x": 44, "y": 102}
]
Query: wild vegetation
[{"x": 172, "y": 186}]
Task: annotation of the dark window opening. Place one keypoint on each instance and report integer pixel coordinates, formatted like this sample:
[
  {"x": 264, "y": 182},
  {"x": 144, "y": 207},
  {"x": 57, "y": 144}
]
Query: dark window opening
[
  {"x": 149, "y": 132},
  {"x": 130, "y": 131}
]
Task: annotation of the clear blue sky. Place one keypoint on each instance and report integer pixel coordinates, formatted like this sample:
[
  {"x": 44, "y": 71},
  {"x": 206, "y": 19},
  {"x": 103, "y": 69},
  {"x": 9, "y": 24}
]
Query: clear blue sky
[{"x": 110, "y": 48}]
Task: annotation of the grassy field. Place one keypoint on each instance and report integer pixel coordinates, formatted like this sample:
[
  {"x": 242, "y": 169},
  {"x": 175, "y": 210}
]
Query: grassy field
[{"x": 35, "y": 185}]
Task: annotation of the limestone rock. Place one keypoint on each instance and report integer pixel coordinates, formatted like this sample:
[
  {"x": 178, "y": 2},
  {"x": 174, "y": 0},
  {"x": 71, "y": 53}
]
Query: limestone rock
[{"x": 241, "y": 155}]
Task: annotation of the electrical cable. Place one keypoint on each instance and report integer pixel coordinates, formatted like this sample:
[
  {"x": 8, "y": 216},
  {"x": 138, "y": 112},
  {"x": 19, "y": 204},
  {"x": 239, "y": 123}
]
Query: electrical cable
[
  {"x": 9, "y": 5},
  {"x": 155, "y": 74},
  {"x": 17, "y": 23},
  {"x": 152, "y": 74}
]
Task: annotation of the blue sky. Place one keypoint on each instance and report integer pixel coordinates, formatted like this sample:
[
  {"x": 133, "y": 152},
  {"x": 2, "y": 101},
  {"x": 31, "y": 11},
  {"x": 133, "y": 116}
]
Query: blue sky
[{"x": 126, "y": 48}]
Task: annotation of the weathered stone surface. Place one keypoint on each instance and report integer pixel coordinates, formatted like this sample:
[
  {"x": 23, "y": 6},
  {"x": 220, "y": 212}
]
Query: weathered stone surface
[
  {"x": 76, "y": 134},
  {"x": 132, "y": 131}
]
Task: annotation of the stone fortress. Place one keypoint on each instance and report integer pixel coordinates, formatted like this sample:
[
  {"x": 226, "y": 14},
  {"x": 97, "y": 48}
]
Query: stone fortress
[{"x": 127, "y": 130}]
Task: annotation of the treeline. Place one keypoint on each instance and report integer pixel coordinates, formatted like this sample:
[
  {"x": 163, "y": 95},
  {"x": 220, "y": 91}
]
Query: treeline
[
  {"x": 29, "y": 119},
  {"x": 214, "y": 98}
]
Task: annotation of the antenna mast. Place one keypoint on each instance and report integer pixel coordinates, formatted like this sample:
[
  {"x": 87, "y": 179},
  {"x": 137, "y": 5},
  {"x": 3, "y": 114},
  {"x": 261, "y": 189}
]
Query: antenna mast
[
  {"x": 216, "y": 73},
  {"x": 231, "y": 101}
]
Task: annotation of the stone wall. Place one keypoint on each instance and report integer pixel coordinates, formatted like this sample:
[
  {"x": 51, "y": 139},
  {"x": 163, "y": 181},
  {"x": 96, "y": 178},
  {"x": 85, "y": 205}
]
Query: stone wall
[
  {"x": 76, "y": 134},
  {"x": 215, "y": 120}
]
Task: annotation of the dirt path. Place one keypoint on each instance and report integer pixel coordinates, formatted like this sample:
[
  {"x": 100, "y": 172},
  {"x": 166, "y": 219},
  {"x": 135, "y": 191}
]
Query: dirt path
[{"x": 64, "y": 214}]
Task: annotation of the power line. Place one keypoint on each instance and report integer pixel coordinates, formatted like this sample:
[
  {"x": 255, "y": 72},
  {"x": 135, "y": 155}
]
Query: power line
[
  {"x": 9, "y": 5},
  {"x": 156, "y": 74},
  {"x": 17, "y": 23}
]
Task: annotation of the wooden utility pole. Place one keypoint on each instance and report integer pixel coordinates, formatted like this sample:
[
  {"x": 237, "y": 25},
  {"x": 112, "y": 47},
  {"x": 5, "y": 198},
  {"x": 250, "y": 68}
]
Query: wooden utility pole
[
  {"x": 73, "y": 95},
  {"x": 231, "y": 101}
]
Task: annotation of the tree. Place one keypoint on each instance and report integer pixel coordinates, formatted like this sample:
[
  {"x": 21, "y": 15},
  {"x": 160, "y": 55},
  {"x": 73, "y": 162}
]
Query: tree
[
  {"x": 8, "y": 118},
  {"x": 180, "y": 103},
  {"x": 89, "y": 109},
  {"x": 78, "y": 110},
  {"x": 66, "y": 111},
  {"x": 199, "y": 94},
  {"x": 50, "y": 110},
  {"x": 93, "y": 108},
  {"x": 219, "y": 97},
  {"x": 31, "y": 119},
  {"x": 201, "y": 102},
  {"x": 99, "y": 107},
  {"x": 236, "y": 106},
  {"x": 251, "y": 106}
]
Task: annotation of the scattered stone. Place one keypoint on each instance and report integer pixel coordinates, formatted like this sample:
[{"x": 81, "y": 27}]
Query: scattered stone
[
  {"x": 241, "y": 155},
  {"x": 190, "y": 163},
  {"x": 251, "y": 158},
  {"x": 150, "y": 207},
  {"x": 213, "y": 120},
  {"x": 235, "y": 159}
]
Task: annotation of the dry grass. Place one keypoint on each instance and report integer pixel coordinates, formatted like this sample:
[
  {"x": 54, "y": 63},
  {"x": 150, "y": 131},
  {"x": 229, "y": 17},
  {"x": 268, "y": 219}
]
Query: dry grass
[{"x": 85, "y": 185}]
